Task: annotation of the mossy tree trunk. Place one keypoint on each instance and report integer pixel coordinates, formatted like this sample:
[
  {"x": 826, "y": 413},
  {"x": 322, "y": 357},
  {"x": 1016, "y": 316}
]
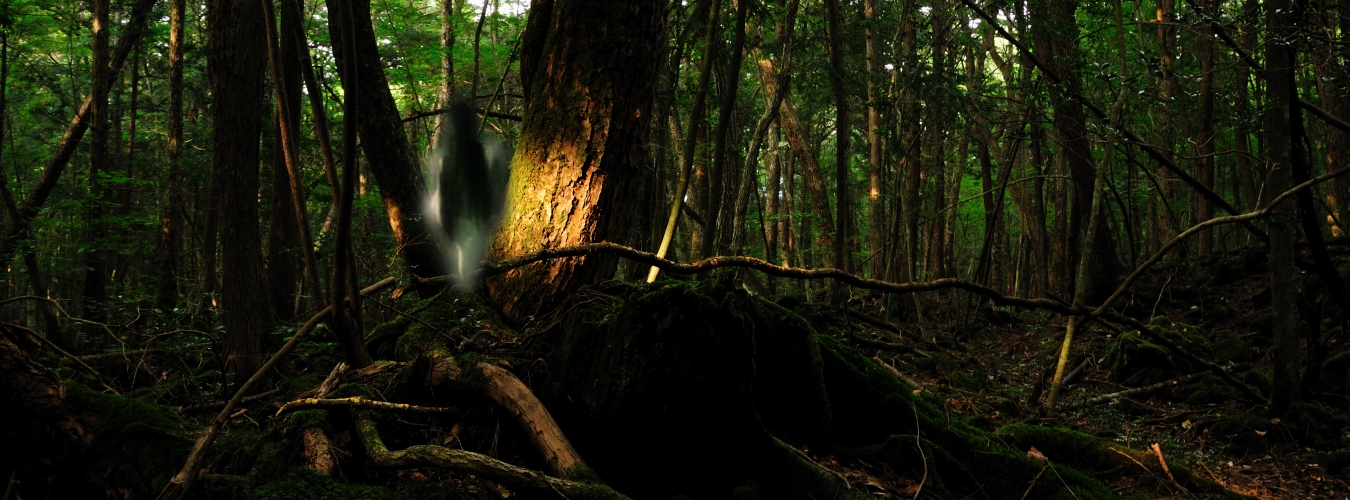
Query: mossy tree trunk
[{"x": 576, "y": 166}]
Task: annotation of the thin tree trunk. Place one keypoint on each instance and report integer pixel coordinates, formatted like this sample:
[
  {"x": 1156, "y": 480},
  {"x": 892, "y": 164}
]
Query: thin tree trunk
[
  {"x": 687, "y": 153},
  {"x": 171, "y": 212},
  {"x": 95, "y": 295},
  {"x": 804, "y": 152},
  {"x": 449, "y": 10},
  {"x": 288, "y": 181},
  {"x": 876, "y": 219},
  {"x": 1204, "y": 138},
  {"x": 717, "y": 172},
  {"x": 841, "y": 140},
  {"x": 384, "y": 143},
  {"x": 1331, "y": 78},
  {"x": 347, "y": 313}
]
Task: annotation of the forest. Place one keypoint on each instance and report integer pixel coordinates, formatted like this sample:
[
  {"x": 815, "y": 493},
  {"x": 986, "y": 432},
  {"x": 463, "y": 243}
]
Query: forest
[{"x": 843, "y": 249}]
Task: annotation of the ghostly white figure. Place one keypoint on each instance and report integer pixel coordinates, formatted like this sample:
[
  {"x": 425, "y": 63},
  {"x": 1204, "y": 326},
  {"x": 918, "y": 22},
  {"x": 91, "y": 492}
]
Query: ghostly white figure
[{"x": 469, "y": 177}]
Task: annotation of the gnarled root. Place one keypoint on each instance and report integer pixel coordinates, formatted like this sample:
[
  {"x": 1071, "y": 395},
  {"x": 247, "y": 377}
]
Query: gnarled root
[
  {"x": 480, "y": 465},
  {"x": 510, "y": 393}
]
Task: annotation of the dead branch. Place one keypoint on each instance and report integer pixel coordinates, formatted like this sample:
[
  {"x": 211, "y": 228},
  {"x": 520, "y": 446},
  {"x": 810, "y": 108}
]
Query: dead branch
[
  {"x": 1158, "y": 386},
  {"x": 213, "y": 406},
  {"x": 477, "y": 464},
  {"x": 66, "y": 314},
  {"x": 358, "y": 402}
]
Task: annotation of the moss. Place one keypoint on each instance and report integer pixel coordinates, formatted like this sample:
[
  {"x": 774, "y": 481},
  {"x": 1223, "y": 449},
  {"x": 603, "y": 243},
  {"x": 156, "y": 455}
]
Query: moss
[
  {"x": 1335, "y": 371},
  {"x": 1137, "y": 360},
  {"x": 1310, "y": 426},
  {"x": 1211, "y": 389},
  {"x": 1242, "y": 433},
  {"x": 455, "y": 313},
  {"x": 1066, "y": 446},
  {"x": 1259, "y": 380},
  {"x": 136, "y": 446},
  {"x": 303, "y": 484}
]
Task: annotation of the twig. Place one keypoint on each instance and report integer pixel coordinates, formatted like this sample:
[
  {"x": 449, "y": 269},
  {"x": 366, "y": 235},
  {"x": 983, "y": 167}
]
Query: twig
[
  {"x": 914, "y": 384},
  {"x": 1034, "y": 480},
  {"x": 359, "y": 402},
  {"x": 1157, "y": 450}
]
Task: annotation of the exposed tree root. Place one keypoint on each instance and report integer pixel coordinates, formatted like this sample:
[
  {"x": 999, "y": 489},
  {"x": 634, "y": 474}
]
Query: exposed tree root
[
  {"x": 320, "y": 455},
  {"x": 480, "y": 465},
  {"x": 510, "y": 393}
]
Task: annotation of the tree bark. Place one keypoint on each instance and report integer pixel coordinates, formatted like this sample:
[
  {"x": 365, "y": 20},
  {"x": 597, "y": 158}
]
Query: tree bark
[
  {"x": 841, "y": 141},
  {"x": 582, "y": 141},
  {"x": 1204, "y": 137},
  {"x": 95, "y": 296},
  {"x": 812, "y": 179},
  {"x": 875, "y": 207},
  {"x": 171, "y": 211},
  {"x": 237, "y": 56},
  {"x": 1280, "y": 78},
  {"x": 385, "y": 144},
  {"x": 1332, "y": 81},
  {"x": 449, "y": 10},
  {"x": 718, "y": 173}
]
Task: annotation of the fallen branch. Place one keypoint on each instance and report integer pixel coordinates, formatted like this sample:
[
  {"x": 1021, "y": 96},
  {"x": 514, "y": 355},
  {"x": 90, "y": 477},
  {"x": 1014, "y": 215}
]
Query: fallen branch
[
  {"x": 358, "y": 402},
  {"x": 1154, "y": 387},
  {"x": 137, "y": 352},
  {"x": 512, "y": 476}
]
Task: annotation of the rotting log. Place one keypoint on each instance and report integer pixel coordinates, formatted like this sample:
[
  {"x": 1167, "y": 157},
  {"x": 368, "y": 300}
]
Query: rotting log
[
  {"x": 477, "y": 464},
  {"x": 510, "y": 393}
]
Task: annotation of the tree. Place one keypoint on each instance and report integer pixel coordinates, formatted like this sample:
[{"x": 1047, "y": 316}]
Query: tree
[
  {"x": 385, "y": 143},
  {"x": 237, "y": 60},
  {"x": 576, "y": 166}
]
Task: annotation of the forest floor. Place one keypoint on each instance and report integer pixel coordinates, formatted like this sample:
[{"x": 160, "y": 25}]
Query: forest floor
[{"x": 992, "y": 366}]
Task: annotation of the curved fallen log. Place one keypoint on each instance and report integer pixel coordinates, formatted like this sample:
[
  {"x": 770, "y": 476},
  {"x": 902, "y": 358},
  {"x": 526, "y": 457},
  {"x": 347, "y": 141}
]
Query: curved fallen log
[
  {"x": 510, "y": 393},
  {"x": 477, "y": 464}
]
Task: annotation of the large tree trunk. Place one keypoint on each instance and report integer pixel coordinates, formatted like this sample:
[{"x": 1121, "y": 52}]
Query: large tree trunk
[
  {"x": 237, "y": 56},
  {"x": 582, "y": 142},
  {"x": 385, "y": 144},
  {"x": 1280, "y": 67},
  {"x": 171, "y": 211},
  {"x": 841, "y": 198}
]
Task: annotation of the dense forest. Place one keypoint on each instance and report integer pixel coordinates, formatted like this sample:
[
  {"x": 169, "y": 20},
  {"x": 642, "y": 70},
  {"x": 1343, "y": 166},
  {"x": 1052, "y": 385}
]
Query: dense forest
[{"x": 769, "y": 249}]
